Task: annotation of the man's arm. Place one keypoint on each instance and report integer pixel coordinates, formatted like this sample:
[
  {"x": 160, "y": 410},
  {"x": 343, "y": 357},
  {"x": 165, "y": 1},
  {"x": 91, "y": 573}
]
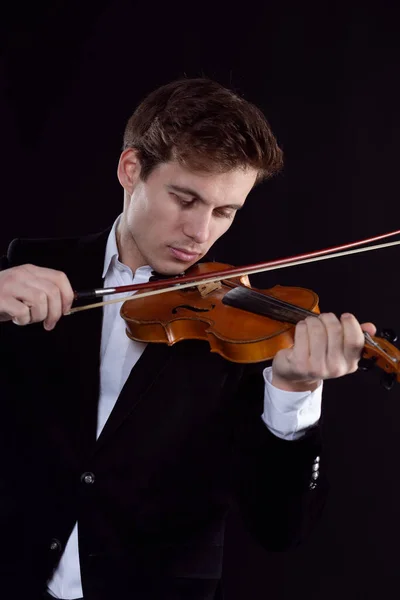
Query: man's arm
[
  {"x": 281, "y": 484},
  {"x": 289, "y": 415}
]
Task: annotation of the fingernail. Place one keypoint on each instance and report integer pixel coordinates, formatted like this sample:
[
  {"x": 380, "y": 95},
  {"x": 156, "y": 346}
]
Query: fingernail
[{"x": 347, "y": 316}]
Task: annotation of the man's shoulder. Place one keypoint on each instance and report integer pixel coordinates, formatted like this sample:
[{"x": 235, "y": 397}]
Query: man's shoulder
[
  {"x": 51, "y": 252},
  {"x": 32, "y": 250}
]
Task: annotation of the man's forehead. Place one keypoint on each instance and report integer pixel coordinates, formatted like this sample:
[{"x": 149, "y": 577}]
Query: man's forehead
[{"x": 230, "y": 185}]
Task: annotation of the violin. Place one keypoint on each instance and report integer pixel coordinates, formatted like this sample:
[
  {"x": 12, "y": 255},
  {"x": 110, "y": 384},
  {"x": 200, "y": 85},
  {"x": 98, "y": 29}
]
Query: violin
[
  {"x": 240, "y": 323},
  {"x": 215, "y": 302}
]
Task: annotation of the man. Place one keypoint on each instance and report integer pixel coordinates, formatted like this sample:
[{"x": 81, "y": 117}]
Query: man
[{"x": 120, "y": 459}]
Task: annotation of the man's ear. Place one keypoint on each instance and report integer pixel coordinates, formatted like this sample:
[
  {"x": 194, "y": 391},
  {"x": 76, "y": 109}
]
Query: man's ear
[{"x": 128, "y": 171}]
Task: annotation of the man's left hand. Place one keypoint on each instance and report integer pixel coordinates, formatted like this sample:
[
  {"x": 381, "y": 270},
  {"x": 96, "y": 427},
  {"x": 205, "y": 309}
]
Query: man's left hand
[{"x": 324, "y": 348}]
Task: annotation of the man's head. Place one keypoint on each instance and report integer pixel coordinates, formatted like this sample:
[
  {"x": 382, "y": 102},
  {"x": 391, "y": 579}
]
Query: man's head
[{"x": 192, "y": 152}]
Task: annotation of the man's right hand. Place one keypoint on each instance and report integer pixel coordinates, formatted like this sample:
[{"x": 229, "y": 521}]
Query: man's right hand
[{"x": 30, "y": 294}]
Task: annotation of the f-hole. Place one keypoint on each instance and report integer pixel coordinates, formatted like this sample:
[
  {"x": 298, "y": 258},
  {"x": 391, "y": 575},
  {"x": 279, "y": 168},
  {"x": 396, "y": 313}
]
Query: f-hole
[{"x": 195, "y": 309}]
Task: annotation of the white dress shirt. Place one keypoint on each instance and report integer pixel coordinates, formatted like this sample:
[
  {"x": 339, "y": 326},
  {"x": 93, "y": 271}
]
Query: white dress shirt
[{"x": 286, "y": 414}]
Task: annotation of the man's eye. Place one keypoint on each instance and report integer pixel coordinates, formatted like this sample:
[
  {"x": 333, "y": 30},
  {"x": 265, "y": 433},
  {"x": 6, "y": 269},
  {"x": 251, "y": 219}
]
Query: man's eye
[
  {"x": 181, "y": 201},
  {"x": 225, "y": 214}
]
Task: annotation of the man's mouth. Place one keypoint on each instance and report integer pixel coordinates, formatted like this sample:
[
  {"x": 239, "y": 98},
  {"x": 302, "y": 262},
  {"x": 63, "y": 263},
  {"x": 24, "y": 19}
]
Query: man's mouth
[{"x": 183, "y": 255}]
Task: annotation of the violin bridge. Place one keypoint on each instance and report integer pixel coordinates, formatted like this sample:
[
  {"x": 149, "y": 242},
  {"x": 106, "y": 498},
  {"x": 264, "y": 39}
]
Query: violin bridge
[{"x": 207, "y": 288}]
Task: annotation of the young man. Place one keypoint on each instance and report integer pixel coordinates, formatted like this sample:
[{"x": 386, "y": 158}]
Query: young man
[{"x": 120, "y": 459}]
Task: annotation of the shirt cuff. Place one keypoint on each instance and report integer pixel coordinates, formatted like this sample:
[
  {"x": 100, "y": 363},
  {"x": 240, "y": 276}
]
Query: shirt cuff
[{"x": 289, "y": 414}]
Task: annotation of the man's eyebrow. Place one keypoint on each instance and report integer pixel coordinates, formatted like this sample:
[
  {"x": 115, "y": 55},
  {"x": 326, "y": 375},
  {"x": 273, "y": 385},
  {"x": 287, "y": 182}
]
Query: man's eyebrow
[{"x": 189, "y": 192}]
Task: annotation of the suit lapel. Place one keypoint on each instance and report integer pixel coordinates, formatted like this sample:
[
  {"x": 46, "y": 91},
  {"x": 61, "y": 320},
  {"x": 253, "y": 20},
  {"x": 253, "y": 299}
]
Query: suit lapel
[
  {"x": 152, "y": 362},
  {"x": 83, "y": 331}
]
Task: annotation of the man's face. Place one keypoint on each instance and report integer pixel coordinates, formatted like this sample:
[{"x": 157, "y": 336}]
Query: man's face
[{"x": 172, "y": 219}]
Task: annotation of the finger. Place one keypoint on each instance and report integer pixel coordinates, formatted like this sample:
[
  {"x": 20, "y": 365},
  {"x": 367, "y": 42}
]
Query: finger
[
  {"x": 369, "y": 328},
  {"x": 301, "y": 342},
  {"x": 59, "y": 279},
  {"x": 24, "y": 297},
  {"x": 293, "y": 361},
  {"x": 53, "y": 302},
  {"x": 297, "y": 357},
  {"x": 37, "y": 303},
  {"x": 353, "y": 339},
  {"x": 18, "y": 311},
  {"x": 335, "y": 340},
  {"x": 318, "y": 341}
]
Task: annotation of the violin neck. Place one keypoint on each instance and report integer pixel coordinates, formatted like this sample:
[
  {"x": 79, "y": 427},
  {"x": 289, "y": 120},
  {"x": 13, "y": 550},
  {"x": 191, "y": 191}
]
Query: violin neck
[{"x": 267, "y": 306}]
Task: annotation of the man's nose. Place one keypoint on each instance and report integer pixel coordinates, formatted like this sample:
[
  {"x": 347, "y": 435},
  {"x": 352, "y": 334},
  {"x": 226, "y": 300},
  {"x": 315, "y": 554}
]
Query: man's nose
[{"x": 198, "y": 228}]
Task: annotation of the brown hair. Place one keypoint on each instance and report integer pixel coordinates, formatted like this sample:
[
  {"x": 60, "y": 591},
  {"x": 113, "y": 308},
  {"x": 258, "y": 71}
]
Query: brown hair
[{"x": 205, "y": 127}]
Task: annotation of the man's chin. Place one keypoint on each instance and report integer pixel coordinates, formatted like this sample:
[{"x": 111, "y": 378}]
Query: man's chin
[{"x": 173, "y": 268}]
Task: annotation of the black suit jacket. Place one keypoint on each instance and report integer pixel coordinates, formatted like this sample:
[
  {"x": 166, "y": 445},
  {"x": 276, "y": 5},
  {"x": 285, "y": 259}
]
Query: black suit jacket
[{"x": 152, "y": 493}]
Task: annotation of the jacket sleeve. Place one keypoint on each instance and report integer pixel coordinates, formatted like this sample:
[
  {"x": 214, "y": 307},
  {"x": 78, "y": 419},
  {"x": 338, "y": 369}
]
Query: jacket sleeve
[
  {"x": 15, "y": 255},
  {"x": 280, "y": 485},
  {"x": 3, "y": 263}
]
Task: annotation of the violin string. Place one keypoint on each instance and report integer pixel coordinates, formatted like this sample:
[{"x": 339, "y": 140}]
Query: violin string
[
  {"x": 246, "y": 298},
  {"x": 375, "y": 344},
  {"x": 177, "y": 287}
]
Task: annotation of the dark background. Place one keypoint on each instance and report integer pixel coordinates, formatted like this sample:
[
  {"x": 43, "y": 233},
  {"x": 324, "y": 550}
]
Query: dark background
[{"x": 327, "y": 76}]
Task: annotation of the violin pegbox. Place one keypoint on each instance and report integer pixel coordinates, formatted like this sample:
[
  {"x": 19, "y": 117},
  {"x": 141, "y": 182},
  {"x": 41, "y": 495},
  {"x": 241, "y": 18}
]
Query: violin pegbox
[{"x": 380, "y": 352}]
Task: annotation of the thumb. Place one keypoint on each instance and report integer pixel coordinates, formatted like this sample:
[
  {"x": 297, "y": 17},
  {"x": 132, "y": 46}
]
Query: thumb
[{"x": 368, "y": 328}]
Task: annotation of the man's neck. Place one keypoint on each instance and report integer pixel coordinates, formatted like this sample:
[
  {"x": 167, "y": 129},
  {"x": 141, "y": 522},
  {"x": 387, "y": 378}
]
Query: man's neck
[{"x": 128, "y": 252}]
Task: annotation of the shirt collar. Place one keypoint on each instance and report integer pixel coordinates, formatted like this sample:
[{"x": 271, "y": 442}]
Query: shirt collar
[{"x": 112, "y": 255}]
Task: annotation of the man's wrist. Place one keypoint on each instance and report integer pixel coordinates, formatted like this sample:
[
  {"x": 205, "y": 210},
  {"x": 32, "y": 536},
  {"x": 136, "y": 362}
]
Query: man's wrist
[{"x": 294, "y": 385}]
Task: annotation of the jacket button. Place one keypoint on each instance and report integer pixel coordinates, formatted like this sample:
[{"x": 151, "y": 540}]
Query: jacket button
[
  {"x": 87, "y": 477},
  {"x": 55, "y": 545}
]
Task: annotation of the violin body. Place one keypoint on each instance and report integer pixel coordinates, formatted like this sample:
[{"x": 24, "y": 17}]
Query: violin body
[
  {"x": 242, "y": 324},
  {"x": 194, "y": 313}
]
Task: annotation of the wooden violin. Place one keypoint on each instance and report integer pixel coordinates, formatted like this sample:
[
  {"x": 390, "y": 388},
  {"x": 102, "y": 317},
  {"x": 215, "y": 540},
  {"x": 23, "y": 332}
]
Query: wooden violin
[
  {"x": 215, "y": 302},
  {"x": 240, "y": 323}
]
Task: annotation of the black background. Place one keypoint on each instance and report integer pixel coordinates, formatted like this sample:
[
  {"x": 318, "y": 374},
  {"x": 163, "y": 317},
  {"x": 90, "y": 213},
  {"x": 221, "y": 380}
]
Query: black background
[{"x": 327, "y": 76}]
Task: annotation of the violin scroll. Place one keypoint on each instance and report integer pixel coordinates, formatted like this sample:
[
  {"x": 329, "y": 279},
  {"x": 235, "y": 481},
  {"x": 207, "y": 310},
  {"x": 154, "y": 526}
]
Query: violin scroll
[{"x": 380, "y": 352}]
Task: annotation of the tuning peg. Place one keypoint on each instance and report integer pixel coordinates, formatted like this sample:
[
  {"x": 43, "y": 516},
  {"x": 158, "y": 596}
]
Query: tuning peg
[
  {"x": 387, "y": 380},
  {"x": 366, "y": 364},
  {"x": 389, "y": 335}
]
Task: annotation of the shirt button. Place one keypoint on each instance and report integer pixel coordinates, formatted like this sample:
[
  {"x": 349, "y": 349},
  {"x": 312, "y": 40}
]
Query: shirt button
[
  {"x": 55, "y": 545},
  {"x": 87, "y": 478}
]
